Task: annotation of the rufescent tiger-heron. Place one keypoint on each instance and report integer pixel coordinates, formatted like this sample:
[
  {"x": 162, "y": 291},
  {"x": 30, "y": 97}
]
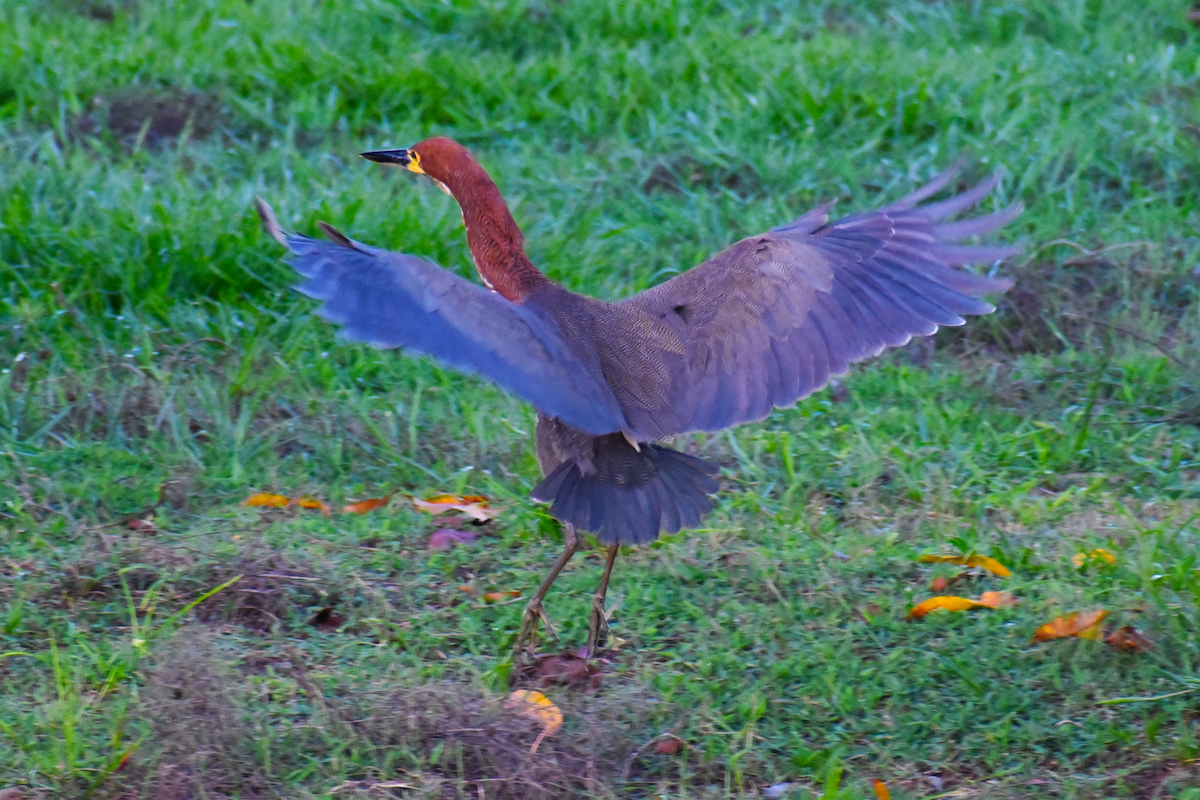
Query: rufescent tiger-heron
[{"x": 757, "y": 326}]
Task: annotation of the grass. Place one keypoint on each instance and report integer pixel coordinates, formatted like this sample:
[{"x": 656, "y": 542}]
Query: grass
[{"x": 156, "y": 363}]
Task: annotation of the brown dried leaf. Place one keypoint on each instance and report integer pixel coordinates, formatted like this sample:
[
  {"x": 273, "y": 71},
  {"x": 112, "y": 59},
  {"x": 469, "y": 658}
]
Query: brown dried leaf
[
  {"x": 1128, "y": 639},
  {"x": 142, "y": 525},
  {"x": 1084, "y": 624},
  {"x": 563, "y": 669},
  {"x": 446, "y": 538},
  {"x": 668, "y": 745}
]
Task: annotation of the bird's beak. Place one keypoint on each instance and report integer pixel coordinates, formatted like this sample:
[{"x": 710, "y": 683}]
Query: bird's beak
[{"x": 401, "y": 158}]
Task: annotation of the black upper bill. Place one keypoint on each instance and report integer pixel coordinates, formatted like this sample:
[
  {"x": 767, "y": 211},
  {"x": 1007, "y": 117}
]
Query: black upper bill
[{"x": 399, "y": 157}]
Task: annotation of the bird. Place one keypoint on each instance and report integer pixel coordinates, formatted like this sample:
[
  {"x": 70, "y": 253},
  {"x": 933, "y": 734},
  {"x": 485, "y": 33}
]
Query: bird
[{"x": 757, "y": 326}]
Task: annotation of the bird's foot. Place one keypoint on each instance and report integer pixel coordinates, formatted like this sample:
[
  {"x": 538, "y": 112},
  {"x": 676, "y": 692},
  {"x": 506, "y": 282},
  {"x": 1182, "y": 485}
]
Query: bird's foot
[
  {"x": 534, "y": 612},
  {"x": 598, "y": 633}
]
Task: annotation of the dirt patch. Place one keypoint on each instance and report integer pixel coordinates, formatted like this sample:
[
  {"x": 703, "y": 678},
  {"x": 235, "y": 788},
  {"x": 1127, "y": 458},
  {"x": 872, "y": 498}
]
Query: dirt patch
[
  {"x": 472, "y": 747},
  {"x": 272, "y": 594},
  {"x": 201, "y": 744},
  {"x": 154, "y": 117}
]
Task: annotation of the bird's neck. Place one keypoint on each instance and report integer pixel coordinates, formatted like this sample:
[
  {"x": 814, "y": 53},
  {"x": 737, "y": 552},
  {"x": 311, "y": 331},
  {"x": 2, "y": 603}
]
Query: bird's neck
[{"x": 496, "y": 243}]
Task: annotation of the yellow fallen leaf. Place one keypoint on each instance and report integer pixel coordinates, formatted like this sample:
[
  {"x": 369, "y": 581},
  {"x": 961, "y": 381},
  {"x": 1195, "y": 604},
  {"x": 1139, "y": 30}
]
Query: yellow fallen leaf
[
  {"x": 312, "y": 502},
  {"x": 984, "y": 562},
  {"x": 881, "y": 791},
  {"x": 1084, "y": 624},
  {"x": 363, "y": 506},
  {"x": 537, "y": 707},
  {"x": 472, "y": 505},
  {"x": 947, "y": 602},
  {"x": 1097, "y": 554},
  {"x": 269, "y": 500}
]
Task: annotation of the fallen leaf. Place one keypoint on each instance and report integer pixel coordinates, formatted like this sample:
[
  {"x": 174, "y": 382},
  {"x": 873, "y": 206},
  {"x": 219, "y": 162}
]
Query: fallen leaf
[
  {"x": 537, "y": 707},
  {"x": 269, "y": 500},
  {"x": 141, "y": 525},
  {"x": 1128, "y": 639},
  {"x": 946, "y": 602},
  {"x": 363, "y": 506},
  {"x": 496, "y": 597},
  {"x": 983, "y": 562},
  {"x": 1084, "y": 624},
  {"x": 327, "y": 619},
  {"x": 472, "y": 505},
  {"x": 470, "y": 590},
  {"x": 997, "y": 599},
  {"x": 445, "y": 538},
  {"x": 939, "y": 584},
  {"x": 1097, "y": 554},
  {"x": 668, "y": 745},
  {"x": 563, "y": 669},
  {"x": 881, "y": 791},
  {"x": 312, "y": 502}
]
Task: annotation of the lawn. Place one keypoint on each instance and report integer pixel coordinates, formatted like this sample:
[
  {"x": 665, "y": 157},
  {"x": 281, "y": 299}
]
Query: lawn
[{"x": 161, "y": 639}]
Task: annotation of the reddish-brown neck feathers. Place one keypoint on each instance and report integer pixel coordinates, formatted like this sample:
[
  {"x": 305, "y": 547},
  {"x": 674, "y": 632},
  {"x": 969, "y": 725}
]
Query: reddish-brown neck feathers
[{"x": 495, "y": 240}]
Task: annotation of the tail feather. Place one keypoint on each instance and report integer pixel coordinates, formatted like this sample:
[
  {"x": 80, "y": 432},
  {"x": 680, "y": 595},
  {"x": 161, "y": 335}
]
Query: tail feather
[{"x": 632, "y": 495}]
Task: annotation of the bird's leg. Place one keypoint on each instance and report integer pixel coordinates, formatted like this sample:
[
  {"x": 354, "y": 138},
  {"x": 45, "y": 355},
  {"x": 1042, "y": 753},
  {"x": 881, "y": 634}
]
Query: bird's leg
[
  {"x": 598, "y": 624},
  {"x": 533, "y": 609}
]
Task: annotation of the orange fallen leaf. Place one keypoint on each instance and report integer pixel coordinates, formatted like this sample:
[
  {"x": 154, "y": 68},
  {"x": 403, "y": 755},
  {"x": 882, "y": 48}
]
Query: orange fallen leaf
[
  {"x": 472, "y": 505},
  {"x": 1128, "y": 639},
  {"x": 881, "y": 791},
  {"x": 363, "y": 506},
  {"x": 983, "y": 562},
  {"x": 939, "y": 584},
  {"x": 469, "y": 589},
  {"x": 947, "y": 602},
  {"x": 312, "y": 502},
  {"x": 269, "y": 500},
  {"x": 668, "y": 745},
  {"x": 496, "y": 597},
  {"x": 1097, "y": 554},
  {"x": 1084, "y": 624},
  {"x": 537, "y": 707},
  {"x": 997, "y": 599}
]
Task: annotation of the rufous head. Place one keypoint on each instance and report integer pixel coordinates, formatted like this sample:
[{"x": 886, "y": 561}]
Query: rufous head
[{"x": 444, "y": 160}]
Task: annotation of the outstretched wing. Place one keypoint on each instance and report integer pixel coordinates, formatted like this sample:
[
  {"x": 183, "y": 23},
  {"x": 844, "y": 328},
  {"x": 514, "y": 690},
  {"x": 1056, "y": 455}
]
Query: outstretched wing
[
  {"x": 391, "y": 299},
  {"x": 770, "y": 319}
]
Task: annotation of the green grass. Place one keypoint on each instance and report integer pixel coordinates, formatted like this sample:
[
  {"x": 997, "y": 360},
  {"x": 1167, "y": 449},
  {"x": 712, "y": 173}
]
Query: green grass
[{"x": 172, "y": 370}]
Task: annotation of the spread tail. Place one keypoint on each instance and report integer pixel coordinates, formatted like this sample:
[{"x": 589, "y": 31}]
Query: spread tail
[{"x": 633, "y": 494}]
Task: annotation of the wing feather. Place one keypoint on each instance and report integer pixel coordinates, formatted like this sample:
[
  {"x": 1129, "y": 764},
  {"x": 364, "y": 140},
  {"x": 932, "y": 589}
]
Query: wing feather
[
  {"x": 391, "y": 299},
  {"x": 773, "y": 317}
]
